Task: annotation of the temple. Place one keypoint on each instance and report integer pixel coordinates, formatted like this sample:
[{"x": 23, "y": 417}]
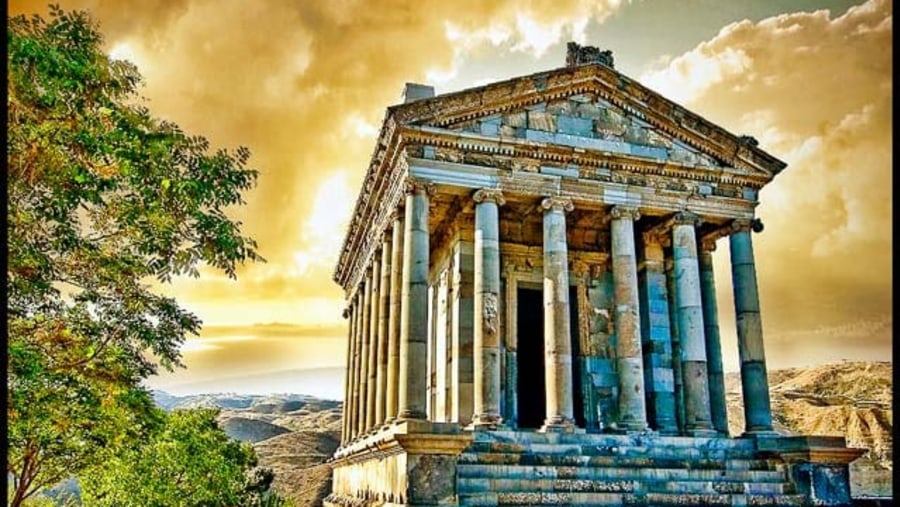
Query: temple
[{"x": 532, "y": 311}]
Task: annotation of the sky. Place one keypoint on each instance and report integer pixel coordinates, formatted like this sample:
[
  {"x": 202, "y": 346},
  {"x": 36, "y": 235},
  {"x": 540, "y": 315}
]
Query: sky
[{"x": 304, "y": 85}]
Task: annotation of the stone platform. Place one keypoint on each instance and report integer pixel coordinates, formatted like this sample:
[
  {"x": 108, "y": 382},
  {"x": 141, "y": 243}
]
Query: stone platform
[{"x": 398, "y": 466}]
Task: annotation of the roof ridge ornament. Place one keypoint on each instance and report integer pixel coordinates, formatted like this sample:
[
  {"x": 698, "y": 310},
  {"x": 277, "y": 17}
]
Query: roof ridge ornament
[{"x": 576, "y": 55}]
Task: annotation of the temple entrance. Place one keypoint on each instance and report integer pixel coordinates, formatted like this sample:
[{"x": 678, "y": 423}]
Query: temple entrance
[
  {"x": 531, "y": 391},
  {"x": 531, "y": 395}
]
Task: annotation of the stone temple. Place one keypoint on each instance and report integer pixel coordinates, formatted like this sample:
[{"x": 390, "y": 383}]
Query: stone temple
[{"x": 532, "y": 312}]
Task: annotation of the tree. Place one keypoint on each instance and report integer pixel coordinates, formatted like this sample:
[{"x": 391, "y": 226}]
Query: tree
[
  {"x": 189, "y": 462},
  {"x": 102, "y": 199}
]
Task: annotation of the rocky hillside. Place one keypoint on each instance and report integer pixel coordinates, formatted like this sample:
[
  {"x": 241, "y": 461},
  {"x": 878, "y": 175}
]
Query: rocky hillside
[
  {"x": 293, "y": 435},
  {"x": 850, "y": 399}
]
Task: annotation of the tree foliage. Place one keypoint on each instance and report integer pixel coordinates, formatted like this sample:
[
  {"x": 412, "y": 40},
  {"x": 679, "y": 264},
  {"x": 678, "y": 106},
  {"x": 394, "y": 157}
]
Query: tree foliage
[
  {"x": 190, "y": 461},
  {"x": 102, "y": 199}
]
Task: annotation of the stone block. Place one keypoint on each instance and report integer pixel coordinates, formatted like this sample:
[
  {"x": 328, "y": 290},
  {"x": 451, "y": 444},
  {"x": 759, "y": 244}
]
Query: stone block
[
  {"x": 540, "y": 120},
  {"x": 539, "y": 136},
  {"x": 490, "y": 128},
  {"x": 647, "y": 151},
  {"x": 518, "y": 119},
  {"x": 573, "y": 125}
]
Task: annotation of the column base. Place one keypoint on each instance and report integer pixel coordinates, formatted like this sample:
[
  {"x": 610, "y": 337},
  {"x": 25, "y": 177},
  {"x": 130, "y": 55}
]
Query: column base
[
  {"x": 761, "y": 434},
  {"x": 411, "y": 415},
  {"x": 702, "y": 433},
  {"x": 558, "y": 424},
  {"x": 486, "y": 422}
]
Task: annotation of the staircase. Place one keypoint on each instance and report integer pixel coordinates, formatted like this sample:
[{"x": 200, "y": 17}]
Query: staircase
[{"x": 527, "y": 468}]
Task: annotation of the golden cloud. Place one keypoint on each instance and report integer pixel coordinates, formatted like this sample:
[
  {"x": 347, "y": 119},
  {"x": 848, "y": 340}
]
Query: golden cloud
[{"x": 816, "y": 92}]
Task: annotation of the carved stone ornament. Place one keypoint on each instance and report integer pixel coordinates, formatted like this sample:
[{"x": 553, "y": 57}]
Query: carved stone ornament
[
  {"x": 563, "y": 204},
  {"x": 491, "y": 315},
  {"x": 624, "y": 212},
  {"x": 414, "y": 186},
  {"x": 743, "y": 224},
  {"x": 687, "y": 218},
  {"x": 708, "y": 244},
  {"x": 577, "y": 54},
  {"x": 489, "y": 195}
]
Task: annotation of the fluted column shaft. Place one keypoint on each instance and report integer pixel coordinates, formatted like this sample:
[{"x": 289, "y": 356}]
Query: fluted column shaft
[
  {"x": 364, "y": 356},
  {"x": 755, "y": 385},
  {"x": 487, "y": 299},
  {"x": 353, "y": 414},
  {"x": 690, "y": 325},
  {"x": 384, "y": 295},
  {"x": 629, "y": 358},
  {"x": 414, "y": 310},
  {"x": 717, "y": 407},
  {"x": 557, "y": 332},
  {"x": 393, "y": 367},
  {"x": 372, "y": 385},
  {"x": 346, "y": 405}
]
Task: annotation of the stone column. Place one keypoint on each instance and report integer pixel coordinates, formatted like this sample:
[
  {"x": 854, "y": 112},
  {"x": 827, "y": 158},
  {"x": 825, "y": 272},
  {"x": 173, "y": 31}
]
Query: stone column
[
  {"x": 373, "y": 343},
  {"x": 393, "y": 368},
  {"x": 754, "y": 384},
  {"x": 717, "y": 407},
  {"x": 384, "y": 294},
  {"x": 355, "y": 372},
  {"x": 656, "y": 338},
  {"x": 629, "y": 358},
  {"x": 345, "y": 425},
  {"x": 414, "y": 310},
  {"x": 557, "y": 332},
  {"x": 690, "y": 325},
  {"x": 364, "y": 355},
  {"x": 487, "y": 303}
]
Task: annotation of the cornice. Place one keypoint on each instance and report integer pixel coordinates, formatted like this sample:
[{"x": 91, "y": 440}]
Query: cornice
[{"x": 583, "y": 157}]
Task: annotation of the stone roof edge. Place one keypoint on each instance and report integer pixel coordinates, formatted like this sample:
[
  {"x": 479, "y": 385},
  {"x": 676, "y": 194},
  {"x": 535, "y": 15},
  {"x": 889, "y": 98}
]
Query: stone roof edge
[{"x": 521, "y": 91}]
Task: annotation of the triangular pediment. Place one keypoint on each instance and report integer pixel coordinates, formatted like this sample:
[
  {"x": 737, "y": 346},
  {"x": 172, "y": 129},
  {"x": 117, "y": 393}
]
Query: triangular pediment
[{"x": 595, "y": 108}]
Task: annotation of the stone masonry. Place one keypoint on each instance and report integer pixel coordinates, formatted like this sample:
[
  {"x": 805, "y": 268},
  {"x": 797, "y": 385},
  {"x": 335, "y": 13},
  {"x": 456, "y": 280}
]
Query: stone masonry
[{"x": 532, "y": 313}]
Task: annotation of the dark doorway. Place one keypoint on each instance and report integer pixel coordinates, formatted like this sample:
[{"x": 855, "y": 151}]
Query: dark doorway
[
  {"x": 577, "y": 390},
  {"x": 531, "y": 395}
]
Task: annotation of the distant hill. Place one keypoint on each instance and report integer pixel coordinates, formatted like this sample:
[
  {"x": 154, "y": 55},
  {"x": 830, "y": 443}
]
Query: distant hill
[
  {"x": 324, "y": 383},
  {"x": 847, "y": 398},
  {"x": 293, "y": 434}
]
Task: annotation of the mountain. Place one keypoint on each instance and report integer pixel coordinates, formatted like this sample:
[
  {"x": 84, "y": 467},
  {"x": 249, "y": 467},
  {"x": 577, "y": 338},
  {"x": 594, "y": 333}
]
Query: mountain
[
  {"x": 847, "y": 398},
  {"x": 326, "y": 383}
]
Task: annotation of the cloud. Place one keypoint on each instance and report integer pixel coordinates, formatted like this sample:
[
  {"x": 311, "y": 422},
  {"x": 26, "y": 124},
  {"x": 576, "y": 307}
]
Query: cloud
[
  {"x": 304, "y": 85},
  {"x": 816, "y": 92}
]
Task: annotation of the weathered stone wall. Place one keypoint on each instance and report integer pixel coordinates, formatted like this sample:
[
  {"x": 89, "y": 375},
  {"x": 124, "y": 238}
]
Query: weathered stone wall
[{"x": 598, "y": 360}]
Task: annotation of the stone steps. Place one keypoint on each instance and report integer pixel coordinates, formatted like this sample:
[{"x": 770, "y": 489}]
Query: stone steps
[
  {"x": 499, "y": 472},
  {"x": 526, "y": 468},
  {"x": 479, "y": 485},
  {"x": 619, "y": 499}
]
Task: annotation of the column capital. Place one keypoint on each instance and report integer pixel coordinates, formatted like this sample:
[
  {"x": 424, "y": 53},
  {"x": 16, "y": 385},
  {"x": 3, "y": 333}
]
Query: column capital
[
  {"x": 624, "y": 213},
  {"x": 494, "y": 195},
  {"x": 415, "y": 186},
  {"x": 746, "y": 224},
  {"x": 687, "y": 218},
  {"x": 397, "y": 213},
  {"x": 655, "y": 237},
  {"x": 708, "y": 244},
  {"x": 563, "y": 204}
]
